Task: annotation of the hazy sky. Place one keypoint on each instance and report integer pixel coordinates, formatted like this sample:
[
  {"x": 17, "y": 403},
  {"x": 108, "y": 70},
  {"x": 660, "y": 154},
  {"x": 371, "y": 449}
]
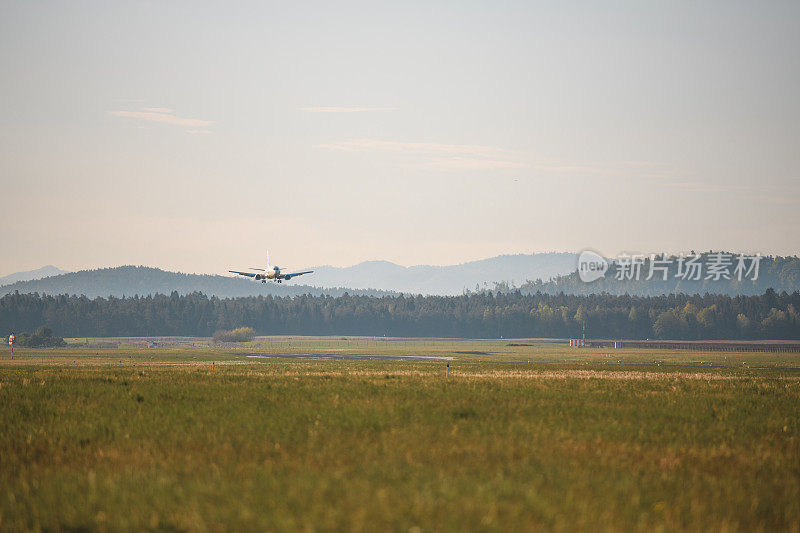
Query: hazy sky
[{"x": 195, "y": 136}]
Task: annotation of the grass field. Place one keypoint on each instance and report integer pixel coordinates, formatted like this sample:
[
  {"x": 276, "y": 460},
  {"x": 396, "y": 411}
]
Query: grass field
[{"x": 126, "y": 437}]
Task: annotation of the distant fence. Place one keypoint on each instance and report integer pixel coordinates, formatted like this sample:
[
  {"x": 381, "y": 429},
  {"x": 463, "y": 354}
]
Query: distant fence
[{"x": 715, "y": 346}]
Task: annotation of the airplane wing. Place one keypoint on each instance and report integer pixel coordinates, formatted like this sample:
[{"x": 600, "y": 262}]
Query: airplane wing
[
  {"x": 293, "y": 274},
  {"x": 249, "y": 274}
]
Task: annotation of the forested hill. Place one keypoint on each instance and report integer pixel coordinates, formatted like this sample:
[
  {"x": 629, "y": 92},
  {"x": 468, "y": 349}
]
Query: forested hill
[
  {"x": 139, "y": 280},
  {"x": 777, "y": 273},
  {"x": 483, "y": 315}
]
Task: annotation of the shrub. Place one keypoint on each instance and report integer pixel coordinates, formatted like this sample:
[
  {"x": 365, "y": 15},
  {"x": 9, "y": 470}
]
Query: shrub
[
  {"x": 41, "y": 338},
  {"x": 235, "y": 335}
]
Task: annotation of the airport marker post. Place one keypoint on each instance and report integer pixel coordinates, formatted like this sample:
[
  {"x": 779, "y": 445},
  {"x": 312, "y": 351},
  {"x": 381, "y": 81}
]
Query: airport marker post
[{"x": 11, "y": 343}]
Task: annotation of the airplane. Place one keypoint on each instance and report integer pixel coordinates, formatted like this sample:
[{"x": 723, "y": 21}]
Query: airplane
[{"x": 270, "y": 273}]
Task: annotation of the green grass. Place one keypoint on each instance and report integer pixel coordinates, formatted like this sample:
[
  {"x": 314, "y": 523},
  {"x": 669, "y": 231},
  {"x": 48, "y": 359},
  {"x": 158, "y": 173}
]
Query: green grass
[{"x": 377, "y": 445}]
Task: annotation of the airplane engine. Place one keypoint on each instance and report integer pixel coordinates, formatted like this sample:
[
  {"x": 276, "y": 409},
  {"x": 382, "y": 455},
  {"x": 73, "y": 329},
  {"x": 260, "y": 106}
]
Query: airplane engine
[
  {"x": 258, "y": 277},
  {"x": 287, "y": 278}
]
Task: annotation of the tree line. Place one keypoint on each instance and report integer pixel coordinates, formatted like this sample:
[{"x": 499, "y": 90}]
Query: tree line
[{"x": 484, "y": 315}]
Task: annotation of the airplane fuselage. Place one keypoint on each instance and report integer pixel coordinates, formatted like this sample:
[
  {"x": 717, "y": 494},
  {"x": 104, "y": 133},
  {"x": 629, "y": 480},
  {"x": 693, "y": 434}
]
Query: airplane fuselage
[
  {"x": 270, "y": 273},
  {"x": 274, "y": 274}
]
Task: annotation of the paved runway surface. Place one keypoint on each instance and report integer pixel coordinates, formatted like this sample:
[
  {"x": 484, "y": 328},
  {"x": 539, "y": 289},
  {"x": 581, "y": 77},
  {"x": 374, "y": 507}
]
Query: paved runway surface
[
  {"x": 358, "y": 357},
  {"x": 363, "y": 357}
]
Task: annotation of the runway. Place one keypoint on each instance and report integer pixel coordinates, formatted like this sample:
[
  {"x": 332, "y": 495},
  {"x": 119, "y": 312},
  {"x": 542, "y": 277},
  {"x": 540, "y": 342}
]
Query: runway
[
  {"x": 607, "y": 364},
  {"x": 359, "y": 357}
]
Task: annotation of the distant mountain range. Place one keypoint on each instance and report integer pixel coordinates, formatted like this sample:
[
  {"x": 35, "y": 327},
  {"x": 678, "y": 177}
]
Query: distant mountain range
[
  {"x": 369, "y": 277},
  {"x": 39, "y": 273},
  {"x": 530, "y": 273},
  {"x": 446, "y": 280}
]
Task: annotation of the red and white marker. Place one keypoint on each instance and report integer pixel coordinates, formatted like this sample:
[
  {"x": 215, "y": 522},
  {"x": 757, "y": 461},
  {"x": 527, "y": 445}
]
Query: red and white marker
[{"x": 11, "y": 340}]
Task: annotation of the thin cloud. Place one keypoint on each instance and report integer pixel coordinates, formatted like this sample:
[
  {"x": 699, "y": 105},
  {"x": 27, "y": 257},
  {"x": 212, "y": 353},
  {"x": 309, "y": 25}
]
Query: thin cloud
[
  {"x": 438, "y": 156},
  {"x": 419, "y": 148},
  {"x": 700, "y": 187},
  {"x": 484, "y": 157},
  {"x": 775, "y": 200},
  {"x": 764, "y": 194},
  {"x": 163, "y": 116},
  {"x": 641, "y": 169},
  {"x": 344, "y": 109},
  {"x": 158, "y": 109},
  {"x": 467, "y": 163}
]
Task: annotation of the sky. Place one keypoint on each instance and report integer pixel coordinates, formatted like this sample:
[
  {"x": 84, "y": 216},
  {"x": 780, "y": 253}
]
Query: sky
[{"x": 195, "y": 136}]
